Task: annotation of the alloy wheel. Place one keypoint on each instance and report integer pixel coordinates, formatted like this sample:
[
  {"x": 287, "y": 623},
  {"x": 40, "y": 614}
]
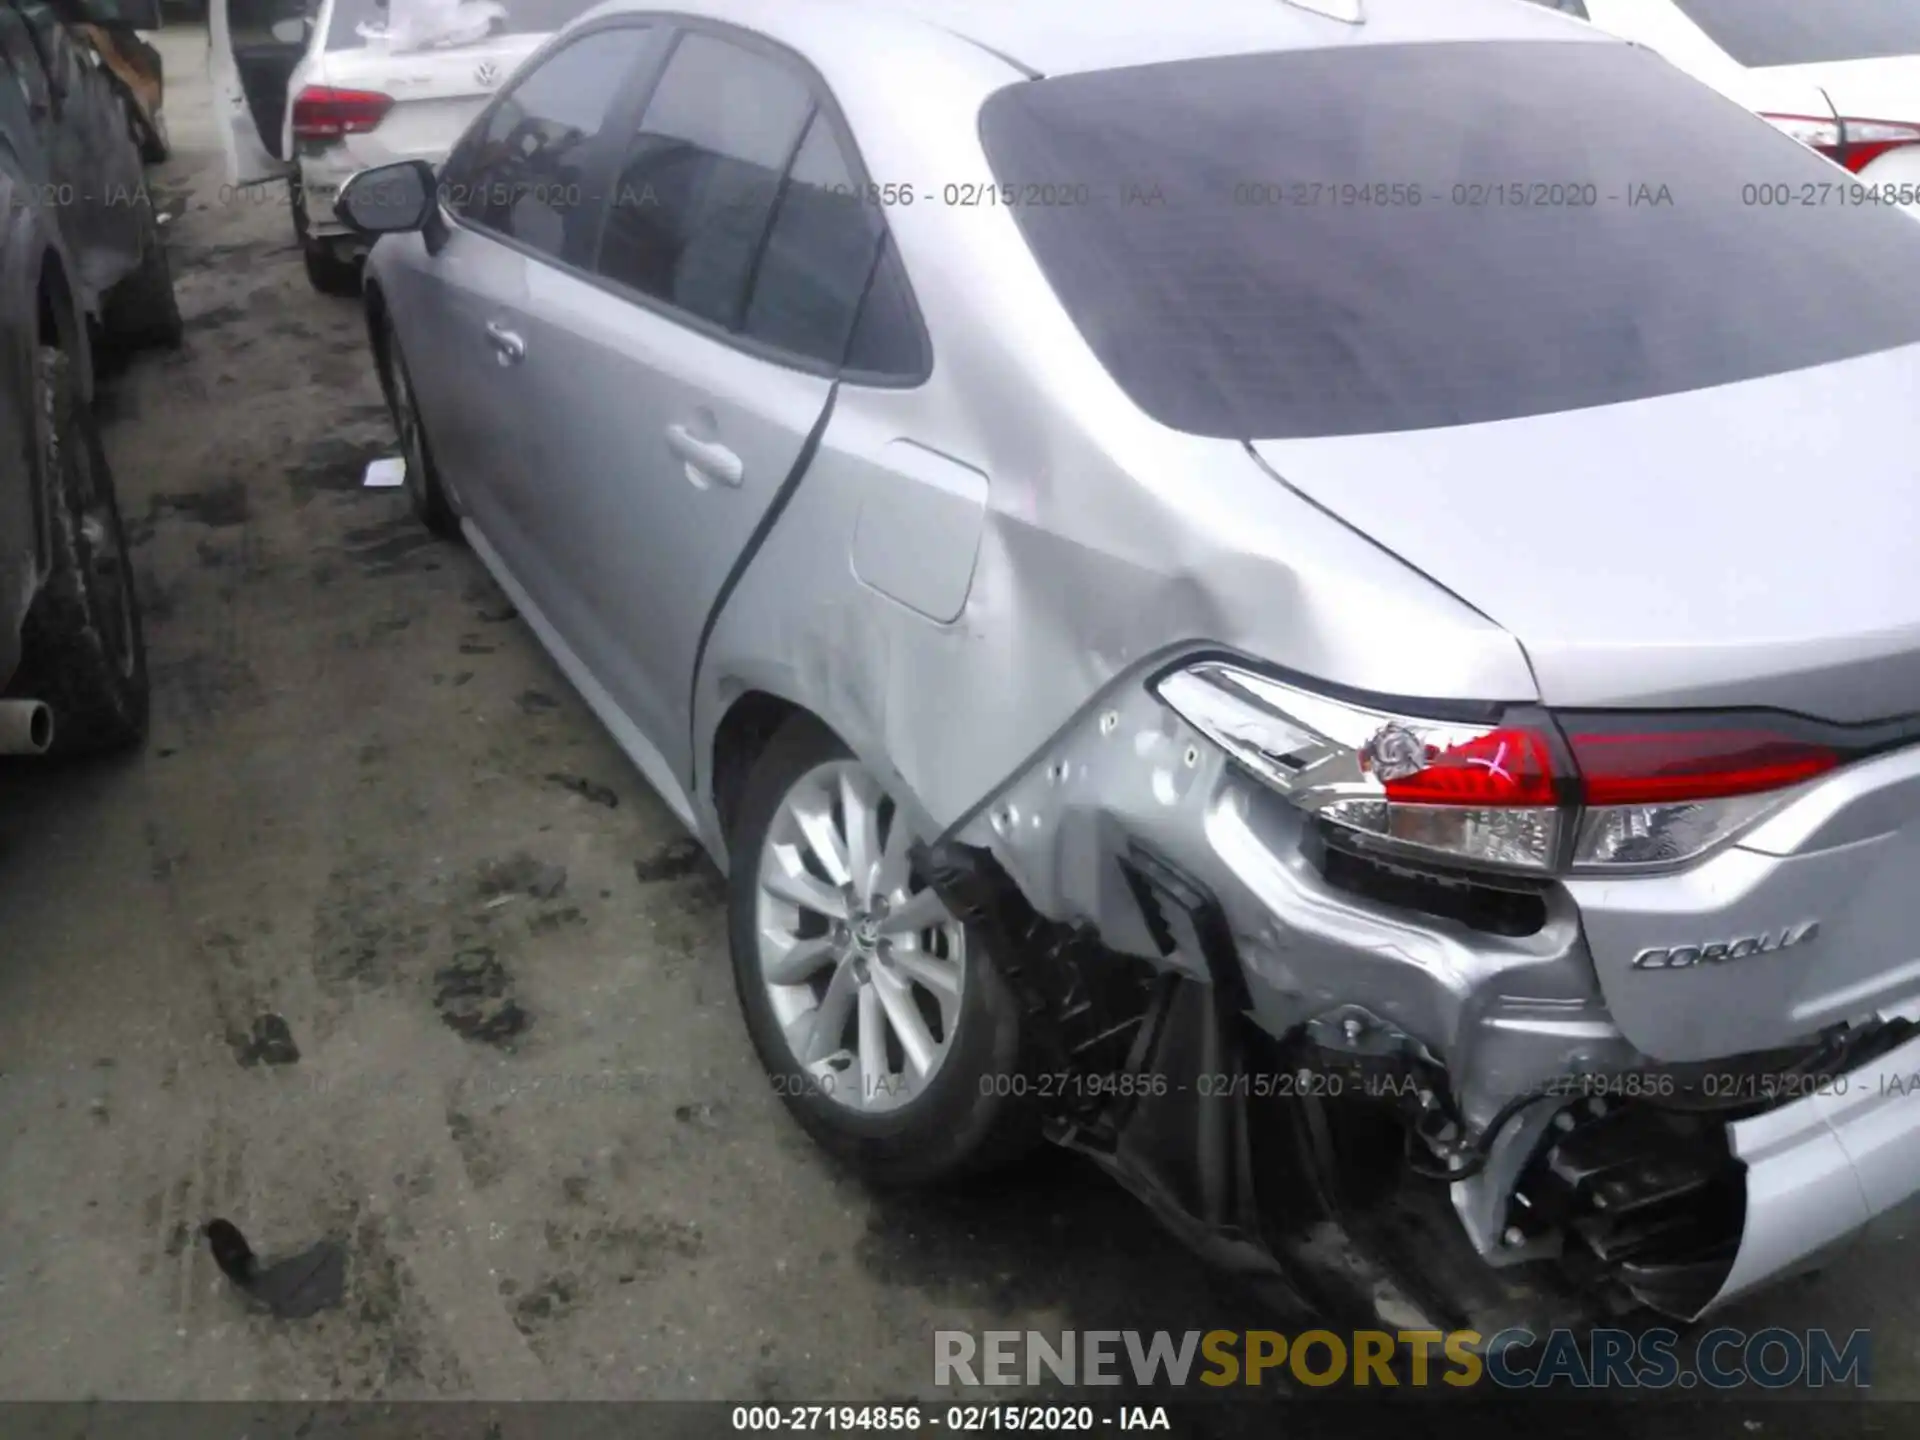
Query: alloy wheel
[{"x": 863, "y": 965}]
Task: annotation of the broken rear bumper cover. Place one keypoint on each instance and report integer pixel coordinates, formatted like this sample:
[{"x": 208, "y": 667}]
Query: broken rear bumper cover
[
  {"x": 1494, "y": 989},
  {"x": 1828, "y": 1170}
]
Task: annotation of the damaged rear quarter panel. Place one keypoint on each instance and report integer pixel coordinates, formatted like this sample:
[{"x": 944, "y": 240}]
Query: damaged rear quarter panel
[{"x": 1107, "y": 544}]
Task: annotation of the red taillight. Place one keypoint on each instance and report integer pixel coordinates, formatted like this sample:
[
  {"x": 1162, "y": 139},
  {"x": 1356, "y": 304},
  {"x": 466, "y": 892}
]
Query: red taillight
[
  {"x": 1664, "y": 767},
  {"x": 323, "y": 113},
  {"x": 1852, "y": 143},
  {"x": 1581, "y": 792},
  {"x": 1508, "y": 766}
]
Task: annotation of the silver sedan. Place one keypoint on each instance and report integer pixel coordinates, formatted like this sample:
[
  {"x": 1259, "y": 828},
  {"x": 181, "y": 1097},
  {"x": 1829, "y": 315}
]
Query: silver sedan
[{"x": 1251, "y": 579}]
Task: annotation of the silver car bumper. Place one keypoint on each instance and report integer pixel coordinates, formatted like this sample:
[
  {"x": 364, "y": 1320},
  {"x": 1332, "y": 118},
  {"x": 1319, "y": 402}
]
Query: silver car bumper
[
  {"x": 1828, "y": 1170},
  {"x": 1508, "y": 1012}
]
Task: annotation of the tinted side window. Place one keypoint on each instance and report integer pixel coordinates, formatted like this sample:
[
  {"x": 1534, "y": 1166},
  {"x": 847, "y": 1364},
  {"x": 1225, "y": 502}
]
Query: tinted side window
[
  {"x": 526, "y": 172},
  {"x": 691, "y": 204},
  {"x": 888, "y": 338},
  {"x": 819, "y": 254}
]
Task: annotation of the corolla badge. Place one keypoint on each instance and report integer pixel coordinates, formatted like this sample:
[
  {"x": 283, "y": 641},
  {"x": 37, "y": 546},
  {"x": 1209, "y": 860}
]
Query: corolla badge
[
  {"x": 1718, "y": 952},
  {"x": 487, "y": 73}
]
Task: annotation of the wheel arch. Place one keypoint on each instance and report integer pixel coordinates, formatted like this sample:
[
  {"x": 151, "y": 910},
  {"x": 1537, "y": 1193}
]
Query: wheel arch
[
  {"x": 750, "y": 720},
  {"x": 752, "y": 708},
  {"x": 59, "y": 324},
  {"x": 374, "y": 308},
  {"x": 57, "y": 317}
]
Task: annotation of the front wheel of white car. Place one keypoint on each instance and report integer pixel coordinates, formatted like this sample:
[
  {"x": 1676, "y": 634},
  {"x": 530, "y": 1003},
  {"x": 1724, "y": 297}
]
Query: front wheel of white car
[{"x": 882, "y": 1021}]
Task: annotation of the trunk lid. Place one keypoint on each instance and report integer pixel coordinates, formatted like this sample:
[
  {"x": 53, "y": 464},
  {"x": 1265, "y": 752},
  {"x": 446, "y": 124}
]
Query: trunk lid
[
  {"x": 1755, "y": 544},
  {"x": 440, "y": 60},
  {"x": 436, "y": 93}
]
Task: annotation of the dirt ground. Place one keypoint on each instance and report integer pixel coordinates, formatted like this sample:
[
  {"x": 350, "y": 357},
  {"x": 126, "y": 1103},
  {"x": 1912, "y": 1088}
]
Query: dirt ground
[{"x": 533, "y": 1117}]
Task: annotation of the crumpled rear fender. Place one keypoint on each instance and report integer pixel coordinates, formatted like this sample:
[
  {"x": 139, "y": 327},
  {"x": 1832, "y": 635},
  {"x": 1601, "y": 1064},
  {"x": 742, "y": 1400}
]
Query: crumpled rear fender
[{"x": 1074, "y": 572}]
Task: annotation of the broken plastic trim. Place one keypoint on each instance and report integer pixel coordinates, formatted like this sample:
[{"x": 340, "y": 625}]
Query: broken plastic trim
[{"x": 1184, "y": 918}]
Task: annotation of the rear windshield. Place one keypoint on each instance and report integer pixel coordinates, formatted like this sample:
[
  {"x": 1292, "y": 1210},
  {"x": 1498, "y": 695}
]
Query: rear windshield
[
  {"x": 1805, "y": 32},
  {"x": 415, "y": 25},
  {"x": 1400, "y": 237}
]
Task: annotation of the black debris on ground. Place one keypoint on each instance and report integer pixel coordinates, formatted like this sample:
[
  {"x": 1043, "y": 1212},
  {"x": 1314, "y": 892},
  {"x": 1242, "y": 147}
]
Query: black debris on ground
[
  {"x": 271, "y": 1043},
  {"x": 296, "y": 1288},
  {"x": 473, "y": 996}
]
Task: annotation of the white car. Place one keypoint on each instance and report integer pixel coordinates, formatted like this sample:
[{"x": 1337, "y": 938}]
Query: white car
[
  {"x": 316, "y": 92},
  {"x": 1841, "y": 75}
]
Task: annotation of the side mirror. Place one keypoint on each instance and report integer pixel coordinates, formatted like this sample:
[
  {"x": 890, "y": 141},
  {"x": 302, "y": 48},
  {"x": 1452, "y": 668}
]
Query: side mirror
[
  {"x": 111, "y": 14},
  {"x": 389, "y": 199}
]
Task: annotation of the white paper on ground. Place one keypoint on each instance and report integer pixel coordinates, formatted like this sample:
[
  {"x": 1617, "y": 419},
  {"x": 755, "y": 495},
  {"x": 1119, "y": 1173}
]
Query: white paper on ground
[{"x": 386, "y": 473}]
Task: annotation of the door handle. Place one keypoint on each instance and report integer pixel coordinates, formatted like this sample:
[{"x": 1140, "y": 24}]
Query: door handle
[
  {"x": 709, "y": 457},
  {"x": 508, "y": 348}
]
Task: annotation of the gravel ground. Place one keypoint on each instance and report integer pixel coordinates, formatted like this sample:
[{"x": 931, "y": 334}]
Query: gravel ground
[
  {"x": 530, "y": 1112},
  {"x": 361, "y": 768}
]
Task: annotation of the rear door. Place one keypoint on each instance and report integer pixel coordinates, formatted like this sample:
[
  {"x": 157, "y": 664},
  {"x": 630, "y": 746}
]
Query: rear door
[
  {"x": 683, "y": 378},
  {"x": 254, "y": 47}
]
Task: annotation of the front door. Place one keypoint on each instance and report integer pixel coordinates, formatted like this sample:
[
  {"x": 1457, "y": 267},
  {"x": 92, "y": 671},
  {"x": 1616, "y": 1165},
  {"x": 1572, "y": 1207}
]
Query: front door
[{"x": 522, "y": 188}]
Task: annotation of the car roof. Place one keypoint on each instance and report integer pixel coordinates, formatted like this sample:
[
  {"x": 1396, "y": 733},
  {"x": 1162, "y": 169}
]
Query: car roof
[{"x": 1059, "y": 37}]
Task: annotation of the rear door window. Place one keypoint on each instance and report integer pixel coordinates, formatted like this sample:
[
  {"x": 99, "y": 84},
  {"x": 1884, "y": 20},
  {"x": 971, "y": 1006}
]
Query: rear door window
[
  {"x": 819, "y": 254},
  {"x": 693, "y": 201},
  {"x": 889, "y": 342},
  {"x": 1394, "y": 237},
  {"x": 1759, "y": 33}
]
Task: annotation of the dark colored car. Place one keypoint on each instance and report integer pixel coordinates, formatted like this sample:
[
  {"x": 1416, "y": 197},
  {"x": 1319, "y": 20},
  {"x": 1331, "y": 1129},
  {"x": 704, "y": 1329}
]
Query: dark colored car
[{"x": 82, "y": 262}]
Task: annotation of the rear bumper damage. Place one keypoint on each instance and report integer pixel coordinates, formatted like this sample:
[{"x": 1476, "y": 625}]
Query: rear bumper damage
[
  {"x": 1391, "y": 1093},
  {"x": 1829, "y": 1170}
]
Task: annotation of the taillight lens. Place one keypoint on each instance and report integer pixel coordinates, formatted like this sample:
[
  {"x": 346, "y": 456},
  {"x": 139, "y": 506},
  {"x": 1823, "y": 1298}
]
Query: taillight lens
[
  {"x": 321, "y": 112},
  {"x": 1637, "y": 791},
  {"x": 1854, "y": 144},
  {"x": 1660, "y": 796}
]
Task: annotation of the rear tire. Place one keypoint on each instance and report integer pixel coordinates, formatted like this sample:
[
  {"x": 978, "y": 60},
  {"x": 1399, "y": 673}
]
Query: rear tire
[
  {"x": 83, "y": 650},
  {"x": 142, "y": 309},
  {"x": 956, "y": 1121},
  {"x": 425, "y": 494},
  {"x": 327, "y": 271},
  {"x": 148, "y": 137}
]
